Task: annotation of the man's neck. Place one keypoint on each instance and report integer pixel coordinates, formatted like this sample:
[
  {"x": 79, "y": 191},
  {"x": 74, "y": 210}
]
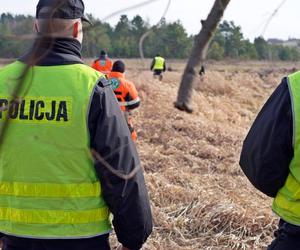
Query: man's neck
[{"x": 47, "y": 51}]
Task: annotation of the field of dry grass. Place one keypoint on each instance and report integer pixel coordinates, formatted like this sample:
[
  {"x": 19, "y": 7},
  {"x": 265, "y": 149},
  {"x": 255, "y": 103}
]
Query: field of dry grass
[{"x": 199, "y": 196}]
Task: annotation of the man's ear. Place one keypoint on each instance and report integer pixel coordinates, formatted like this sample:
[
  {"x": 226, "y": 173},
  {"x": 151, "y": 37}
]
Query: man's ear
[
  {"x": 36, "y": 26},
  {"x": 75, "y": 30}
]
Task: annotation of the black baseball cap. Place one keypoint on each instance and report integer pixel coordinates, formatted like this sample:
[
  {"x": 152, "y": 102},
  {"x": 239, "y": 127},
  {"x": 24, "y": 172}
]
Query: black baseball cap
[{"x": 64, "y": 9}]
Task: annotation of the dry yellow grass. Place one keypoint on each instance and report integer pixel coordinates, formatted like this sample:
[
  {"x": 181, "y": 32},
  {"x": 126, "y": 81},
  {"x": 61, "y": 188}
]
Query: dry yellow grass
[{"x": 199, "y": 195}]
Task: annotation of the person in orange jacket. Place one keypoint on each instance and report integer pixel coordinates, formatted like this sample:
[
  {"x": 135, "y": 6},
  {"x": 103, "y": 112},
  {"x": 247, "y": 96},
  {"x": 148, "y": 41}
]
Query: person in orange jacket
[
  {"x": 103, "y": 63},
  {"x": 125, "y": 92}
]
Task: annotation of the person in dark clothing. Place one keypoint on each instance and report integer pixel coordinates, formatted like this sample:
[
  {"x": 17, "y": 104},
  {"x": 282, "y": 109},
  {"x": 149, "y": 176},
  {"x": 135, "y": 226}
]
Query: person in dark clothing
[
  {"x": 269, "y": 159},
  {"x": 158, "y": 65},
  {"x": 202, "y": 71},
  {"x": 53, "y": 194}
]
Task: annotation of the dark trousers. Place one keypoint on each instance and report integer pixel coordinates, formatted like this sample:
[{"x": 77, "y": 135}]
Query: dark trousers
[
  {"x": 157, "y": 72},
  {"x": 96, "y": 243},
  {"x": 287, "y": 237}
]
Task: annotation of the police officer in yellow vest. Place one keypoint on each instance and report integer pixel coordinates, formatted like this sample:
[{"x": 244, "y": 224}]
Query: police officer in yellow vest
[
  {"x": 158, "y": 65},
  {"x": 53, "y": 195},
  {"x": 270, "y": 159}
]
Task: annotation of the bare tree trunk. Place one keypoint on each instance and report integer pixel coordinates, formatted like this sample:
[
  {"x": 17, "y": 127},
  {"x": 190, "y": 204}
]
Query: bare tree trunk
[{"x": 198, "y": 54}]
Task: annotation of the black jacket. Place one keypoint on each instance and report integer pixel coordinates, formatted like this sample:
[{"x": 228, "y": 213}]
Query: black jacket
[
  {"x": 110, "y": 138},
  {"x": 268, "y": 148}
]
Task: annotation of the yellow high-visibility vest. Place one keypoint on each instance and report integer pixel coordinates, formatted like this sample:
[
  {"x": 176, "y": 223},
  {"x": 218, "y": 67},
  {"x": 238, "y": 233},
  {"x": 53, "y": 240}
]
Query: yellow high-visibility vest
[
  {"x": 287, "y": 201},
  {"x": 159, "y": 63},
  {"x": 48, "y": 184}
]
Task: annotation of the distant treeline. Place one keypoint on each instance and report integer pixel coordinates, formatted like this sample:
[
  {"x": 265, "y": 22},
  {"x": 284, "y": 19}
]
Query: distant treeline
[
  {"x": 169, "y": 39},
  {"x": 229, "y": 42}
]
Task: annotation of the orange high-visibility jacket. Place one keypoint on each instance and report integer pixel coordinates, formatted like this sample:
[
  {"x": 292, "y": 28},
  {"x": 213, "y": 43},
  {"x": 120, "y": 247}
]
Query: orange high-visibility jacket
[
  {"x": 102, "y": 65},
  {"x": 125, "y": 91},
  {"x": 127, "y": 96}
]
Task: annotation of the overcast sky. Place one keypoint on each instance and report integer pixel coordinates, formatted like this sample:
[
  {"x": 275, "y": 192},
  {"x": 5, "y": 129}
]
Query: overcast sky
[{"x": 251, "y": 15}]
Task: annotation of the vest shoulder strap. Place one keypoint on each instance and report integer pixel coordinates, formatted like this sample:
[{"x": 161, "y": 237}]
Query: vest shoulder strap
[{"x": 103, "y": 82}]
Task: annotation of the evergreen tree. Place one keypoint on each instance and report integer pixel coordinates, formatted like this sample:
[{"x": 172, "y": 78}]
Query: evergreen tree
[
  {"x": 169, "y": 39},
  {"x": 215, "y": 52},
  {"x": 262, "y": 48}
]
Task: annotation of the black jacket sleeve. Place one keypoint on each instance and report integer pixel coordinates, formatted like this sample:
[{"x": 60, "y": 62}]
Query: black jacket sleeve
[
  {"x": 127, "y": 200},
  {"x": 152, "y": 64},
  {"x": 267, "y": 150}
]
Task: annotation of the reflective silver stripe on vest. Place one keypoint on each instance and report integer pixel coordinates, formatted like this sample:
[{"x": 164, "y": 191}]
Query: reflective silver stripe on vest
[{"x": 129, "y": 103}]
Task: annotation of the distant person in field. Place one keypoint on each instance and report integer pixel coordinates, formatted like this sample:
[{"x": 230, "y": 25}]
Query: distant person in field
[
  {"x": 158, "y": 66},
  {"x": 270, "y": 158},
  {"x": 126, "y": 94},
  {"x": 202, "y": 72},
  {"x": 103, "y": 64}
]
